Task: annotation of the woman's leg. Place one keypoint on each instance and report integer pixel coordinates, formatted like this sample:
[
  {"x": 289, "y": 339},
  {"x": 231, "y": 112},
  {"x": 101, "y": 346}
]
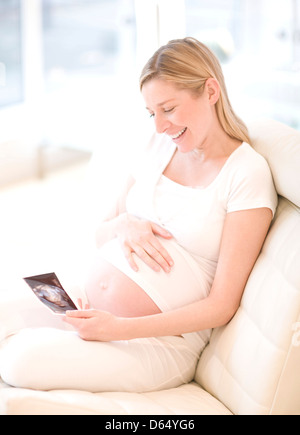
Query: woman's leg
[
  {"x": 24, "y": 311},
  {"x": 20, "y": 309},
  {"x": 47, "y": 359}
]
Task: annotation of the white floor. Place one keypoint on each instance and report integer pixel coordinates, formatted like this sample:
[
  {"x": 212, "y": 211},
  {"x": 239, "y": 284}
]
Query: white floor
[{"x": 43, "y": 229}]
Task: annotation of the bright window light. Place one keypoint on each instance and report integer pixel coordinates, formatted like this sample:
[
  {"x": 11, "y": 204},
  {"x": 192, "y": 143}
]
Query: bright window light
[
  {"x": 89, "y": 49},
  {"x": 11, "y": 83},
  {"x": 258, "y": 43}
]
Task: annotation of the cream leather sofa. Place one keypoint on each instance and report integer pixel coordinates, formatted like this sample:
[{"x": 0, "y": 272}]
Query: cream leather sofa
[{"x": 252, "y": 365}]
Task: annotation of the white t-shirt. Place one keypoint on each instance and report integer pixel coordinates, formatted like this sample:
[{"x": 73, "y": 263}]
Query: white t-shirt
[{"x": 195, "y": 217}]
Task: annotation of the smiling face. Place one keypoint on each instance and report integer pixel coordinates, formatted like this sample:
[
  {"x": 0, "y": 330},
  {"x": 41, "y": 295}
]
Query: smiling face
[{"x": 189, "y": 119}]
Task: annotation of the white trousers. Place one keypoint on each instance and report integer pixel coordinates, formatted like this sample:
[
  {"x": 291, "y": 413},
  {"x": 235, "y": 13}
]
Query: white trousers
[{"x": 37, "y": 352}]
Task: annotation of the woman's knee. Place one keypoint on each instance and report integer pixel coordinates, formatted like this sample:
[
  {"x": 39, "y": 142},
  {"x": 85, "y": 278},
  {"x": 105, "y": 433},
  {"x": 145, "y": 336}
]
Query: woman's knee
[{"x": 25, "y": 360}]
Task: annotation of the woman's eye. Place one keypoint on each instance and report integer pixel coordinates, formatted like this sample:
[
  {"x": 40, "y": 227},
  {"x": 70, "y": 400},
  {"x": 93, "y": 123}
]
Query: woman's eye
[
  {"x": 152, "y": 115},
  {"x": 169, "y": 110}
]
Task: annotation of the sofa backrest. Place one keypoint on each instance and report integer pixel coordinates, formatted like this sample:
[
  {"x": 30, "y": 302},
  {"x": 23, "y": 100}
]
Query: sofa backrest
[{"x": 252, "y": 364}]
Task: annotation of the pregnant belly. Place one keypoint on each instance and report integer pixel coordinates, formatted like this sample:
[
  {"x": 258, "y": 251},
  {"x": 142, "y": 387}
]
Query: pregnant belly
[{"x": 109, "y": 289}]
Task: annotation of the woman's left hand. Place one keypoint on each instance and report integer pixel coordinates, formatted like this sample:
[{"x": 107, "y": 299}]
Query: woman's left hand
[{"x": 95, "y": 325}]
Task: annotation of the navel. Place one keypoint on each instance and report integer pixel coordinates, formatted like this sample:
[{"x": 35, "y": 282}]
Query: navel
[{"x": 103, "y": 285}]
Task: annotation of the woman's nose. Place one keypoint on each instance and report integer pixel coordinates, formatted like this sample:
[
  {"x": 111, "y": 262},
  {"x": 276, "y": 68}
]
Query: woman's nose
[{"x": 161, "y": 123}]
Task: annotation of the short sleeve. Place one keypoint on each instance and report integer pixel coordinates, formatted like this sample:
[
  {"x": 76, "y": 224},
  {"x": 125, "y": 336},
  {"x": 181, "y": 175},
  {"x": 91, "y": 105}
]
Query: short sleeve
[{"x": 252, "y": 185}]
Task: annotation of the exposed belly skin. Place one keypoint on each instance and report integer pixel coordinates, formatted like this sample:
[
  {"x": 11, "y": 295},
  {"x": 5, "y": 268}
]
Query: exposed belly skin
[{"x": 109, "y": 289}]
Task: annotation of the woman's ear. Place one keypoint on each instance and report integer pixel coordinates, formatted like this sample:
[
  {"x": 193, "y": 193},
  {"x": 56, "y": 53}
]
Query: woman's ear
[{"x": 213, "y": 90}]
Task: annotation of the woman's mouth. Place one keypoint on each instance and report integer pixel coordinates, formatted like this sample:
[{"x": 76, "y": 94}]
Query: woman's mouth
[{"x": 179, "y": 134}]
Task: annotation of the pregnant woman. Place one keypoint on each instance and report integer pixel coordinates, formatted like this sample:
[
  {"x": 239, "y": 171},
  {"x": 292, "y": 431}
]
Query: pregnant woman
[{"x": 176, "y": 252}]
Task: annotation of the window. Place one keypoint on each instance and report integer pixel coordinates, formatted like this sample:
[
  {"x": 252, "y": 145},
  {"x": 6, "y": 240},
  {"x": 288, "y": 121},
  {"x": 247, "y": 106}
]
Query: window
[
  {"x": 75, "y": 63},
  {"x": 11, "y": 83},
  {"x": 258, "y": 43},
  {"x": 89, "y": 56}
]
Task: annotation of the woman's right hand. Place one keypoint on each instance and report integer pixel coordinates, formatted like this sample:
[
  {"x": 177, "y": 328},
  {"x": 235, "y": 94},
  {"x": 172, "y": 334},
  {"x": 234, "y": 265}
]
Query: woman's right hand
[{"x": 140, "y": 237}]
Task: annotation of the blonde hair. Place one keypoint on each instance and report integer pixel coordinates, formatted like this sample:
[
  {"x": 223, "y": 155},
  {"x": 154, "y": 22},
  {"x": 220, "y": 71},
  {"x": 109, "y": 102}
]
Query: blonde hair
[{"x": 189, "y": 64}]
